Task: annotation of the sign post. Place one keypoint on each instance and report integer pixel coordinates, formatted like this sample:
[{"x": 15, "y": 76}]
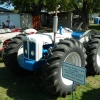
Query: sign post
[{"x": 74, "y": 73}]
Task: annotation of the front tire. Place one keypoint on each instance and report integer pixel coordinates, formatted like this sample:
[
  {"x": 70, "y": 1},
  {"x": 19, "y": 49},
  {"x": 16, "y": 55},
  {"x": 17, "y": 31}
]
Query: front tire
[
  {"x": 68, "y": 50},
  {"x": 11, "y": 54},
  {"x": 93, "y": 56}
]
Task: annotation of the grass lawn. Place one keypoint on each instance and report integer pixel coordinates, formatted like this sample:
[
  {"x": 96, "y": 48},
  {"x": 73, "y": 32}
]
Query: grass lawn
[
  {"x": 26, "y": 88},
  {"x": 94, "y": 26}
]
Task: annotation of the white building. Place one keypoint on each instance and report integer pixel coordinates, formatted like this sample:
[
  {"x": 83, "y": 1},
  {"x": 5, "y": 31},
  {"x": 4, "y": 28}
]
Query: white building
[{"x": 17, "y": 20}]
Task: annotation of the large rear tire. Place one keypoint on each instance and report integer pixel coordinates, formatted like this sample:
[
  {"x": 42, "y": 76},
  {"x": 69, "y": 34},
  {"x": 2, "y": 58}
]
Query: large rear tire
[
  {"x": 68, "y": 50},
  {"x": 11, "y": 54},
  {"x": 93, "y": 56}
]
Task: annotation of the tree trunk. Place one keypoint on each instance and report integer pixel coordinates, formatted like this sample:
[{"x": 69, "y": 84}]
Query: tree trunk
[
  {"x": 85, "y": 20},
  {"x": 84, "y": 13}
]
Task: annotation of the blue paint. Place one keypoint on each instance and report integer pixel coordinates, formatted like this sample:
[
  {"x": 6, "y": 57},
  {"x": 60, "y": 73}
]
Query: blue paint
[
  {"x": 77, "y": 34},
  {"x": 25, "y": 48},
  {"x": 48, "y": 46},
  {"x": 96, "y": 20},
  {"x": 60, "y": 29},
  {"x": 30, "y": 64},
  {"x": 32, "y": 47},
  {"x": 45, "y": 50}
]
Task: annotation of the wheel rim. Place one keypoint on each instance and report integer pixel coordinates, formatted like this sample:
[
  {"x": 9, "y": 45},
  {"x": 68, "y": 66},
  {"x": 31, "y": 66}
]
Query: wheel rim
[
  {"x": 98, "y": 57},
  {"x": 72, "y": 58}
]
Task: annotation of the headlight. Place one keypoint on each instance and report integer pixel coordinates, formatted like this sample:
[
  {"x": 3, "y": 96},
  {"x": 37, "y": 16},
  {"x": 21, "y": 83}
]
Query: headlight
[
  {"x": 32, "y": 53},
  {"x": 25, "y": 51}
]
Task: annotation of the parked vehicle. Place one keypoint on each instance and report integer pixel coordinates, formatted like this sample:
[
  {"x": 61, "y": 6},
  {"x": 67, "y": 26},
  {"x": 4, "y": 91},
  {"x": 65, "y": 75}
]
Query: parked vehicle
[
  {"x": 47, "y": 51},
  {"x": 6, "y": 34}
]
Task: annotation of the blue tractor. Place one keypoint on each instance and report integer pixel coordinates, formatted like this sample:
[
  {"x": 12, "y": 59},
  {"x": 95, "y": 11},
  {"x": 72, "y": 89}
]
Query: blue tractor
[{"x": 47, "y": 51}]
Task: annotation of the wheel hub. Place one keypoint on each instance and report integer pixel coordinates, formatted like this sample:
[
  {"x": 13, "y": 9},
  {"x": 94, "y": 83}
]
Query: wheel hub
[
  {"x": 98, "y": 57},
  {"x": 75, "y": 59},
  {"x": 20, "y": 53}
]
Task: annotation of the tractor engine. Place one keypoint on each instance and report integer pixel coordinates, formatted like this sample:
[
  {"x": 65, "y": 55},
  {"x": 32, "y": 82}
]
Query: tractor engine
[
  {"x": 32, "y": 47},
  {"x": 35, "y": 48}
]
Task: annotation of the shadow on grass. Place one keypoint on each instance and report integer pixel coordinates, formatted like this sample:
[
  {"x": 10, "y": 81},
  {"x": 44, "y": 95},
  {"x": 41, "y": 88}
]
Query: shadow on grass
[
  {"x": 1, "y": 60},
  {"x": 95, "y": 26},
  {"x": 93, "y": 94},
  {"x": 22, "y": 88}
]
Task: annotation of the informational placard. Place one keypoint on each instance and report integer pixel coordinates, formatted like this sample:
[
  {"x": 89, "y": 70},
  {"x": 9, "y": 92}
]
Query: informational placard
[{"x": 74, "y": 73}]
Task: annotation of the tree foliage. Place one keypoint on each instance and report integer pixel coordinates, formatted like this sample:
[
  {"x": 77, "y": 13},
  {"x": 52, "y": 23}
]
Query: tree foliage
[
  {"x": 82, "y": 7},
  {"x": 92, "y": 5},
  {"x": 25, "y": 5},
  {"x": 86, "y": 7}
]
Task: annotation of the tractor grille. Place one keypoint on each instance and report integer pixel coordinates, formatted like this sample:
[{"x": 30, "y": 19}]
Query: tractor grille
[{"x": 29, "y": 50}]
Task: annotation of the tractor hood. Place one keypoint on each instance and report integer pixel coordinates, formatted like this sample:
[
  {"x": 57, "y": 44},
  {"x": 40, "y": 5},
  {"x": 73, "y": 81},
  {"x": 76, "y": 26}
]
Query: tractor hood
[{"x": 48, "y": 38}]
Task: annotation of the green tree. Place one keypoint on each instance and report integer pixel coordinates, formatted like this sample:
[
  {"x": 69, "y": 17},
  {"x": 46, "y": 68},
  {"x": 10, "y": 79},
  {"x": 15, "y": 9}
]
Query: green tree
[
  {"x": 26, "y": 5},
  {"x": 82, "y": 7},
  {"x": 86, "y": 7}
]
